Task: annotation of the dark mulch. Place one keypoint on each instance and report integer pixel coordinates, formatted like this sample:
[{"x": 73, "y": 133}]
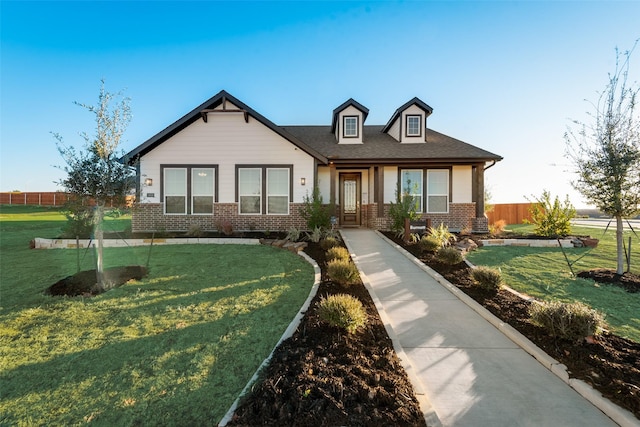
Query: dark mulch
[
  {"x": 84, "y": 282},
  {"x": 322, "y": 376},
  {"x": 628, "y": 281},
  {"x": 611, "y": 364}
]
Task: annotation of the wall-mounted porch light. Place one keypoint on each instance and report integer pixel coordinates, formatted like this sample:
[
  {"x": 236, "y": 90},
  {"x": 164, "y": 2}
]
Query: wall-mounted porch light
[
  {"x": 303, "y": 181},
  {"x": 148, "y": 182}
]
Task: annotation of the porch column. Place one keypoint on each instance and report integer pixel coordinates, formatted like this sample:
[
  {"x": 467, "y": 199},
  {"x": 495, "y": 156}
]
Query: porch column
[
  {"x": 332, "y": 186},
  {"x": 379, "y": 189},
  {"x": 479, "y": 190}
]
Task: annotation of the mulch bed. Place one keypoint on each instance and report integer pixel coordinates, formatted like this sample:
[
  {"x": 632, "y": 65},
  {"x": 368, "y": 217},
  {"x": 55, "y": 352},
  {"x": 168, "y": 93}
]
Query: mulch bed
[
  {"x": 84, "y": 282},
  {"x": 611, "y": 364},
  {"x": 324, "y": 376}
]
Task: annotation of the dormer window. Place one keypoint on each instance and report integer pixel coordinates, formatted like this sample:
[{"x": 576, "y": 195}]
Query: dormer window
[
  {"x": 350, "y": 127},
  {"x": 414, "y": 127}
]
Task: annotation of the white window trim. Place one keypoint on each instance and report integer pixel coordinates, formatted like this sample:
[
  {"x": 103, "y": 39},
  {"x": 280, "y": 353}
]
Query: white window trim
[
  {"x": 241, "y": 194},
  {"x": 344, "y": 127},
  {"x": 278, "y": 195},
  {"x": 165, "y": 194},
  {"x": 416, "y": 116},
  {"x": 213, "y": 195},
  {"x": 403, "y": 183},
  {"x": 446, "y": 194}
]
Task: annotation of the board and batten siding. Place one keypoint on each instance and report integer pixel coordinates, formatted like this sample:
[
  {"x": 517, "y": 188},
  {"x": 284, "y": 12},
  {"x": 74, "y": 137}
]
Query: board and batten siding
[{"x": 227, "y": 140}]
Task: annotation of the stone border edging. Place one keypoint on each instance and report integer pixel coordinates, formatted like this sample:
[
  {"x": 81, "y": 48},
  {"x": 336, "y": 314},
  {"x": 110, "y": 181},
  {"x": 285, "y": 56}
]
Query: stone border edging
[
  {"x": 286, "y": 334},
  {"x": 428, "y": 411},
  {"x": 41, "y": 243},
  {"x": 621, "y": 416}
]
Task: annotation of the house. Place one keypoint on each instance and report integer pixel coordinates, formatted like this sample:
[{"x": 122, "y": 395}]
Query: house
[{"x": 224, "y": 161}]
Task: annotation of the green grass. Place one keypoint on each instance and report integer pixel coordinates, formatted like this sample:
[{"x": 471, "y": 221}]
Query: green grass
[
  {"x": 544, "y": 273},
  {"x": 175, "y": 348}
]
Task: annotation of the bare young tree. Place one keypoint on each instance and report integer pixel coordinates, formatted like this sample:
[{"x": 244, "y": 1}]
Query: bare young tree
[
  {"x": 95, "y": 174},
  {"x": 606, "y": 152}
]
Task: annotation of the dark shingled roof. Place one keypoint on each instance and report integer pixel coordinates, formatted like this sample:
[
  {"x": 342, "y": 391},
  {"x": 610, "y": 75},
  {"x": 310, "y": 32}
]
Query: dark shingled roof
[{"x": 381, "y": 148}]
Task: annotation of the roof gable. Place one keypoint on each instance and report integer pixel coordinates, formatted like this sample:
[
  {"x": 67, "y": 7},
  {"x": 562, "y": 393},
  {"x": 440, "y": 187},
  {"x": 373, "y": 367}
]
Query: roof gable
[
  {"x": 344, "y": 105},
  {"x": 396, "y": 115},
  {"x": 202, "y": 111}
]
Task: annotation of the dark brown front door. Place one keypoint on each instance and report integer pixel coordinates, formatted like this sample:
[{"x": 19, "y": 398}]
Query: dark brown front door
[{"x": 350, "y": 199}]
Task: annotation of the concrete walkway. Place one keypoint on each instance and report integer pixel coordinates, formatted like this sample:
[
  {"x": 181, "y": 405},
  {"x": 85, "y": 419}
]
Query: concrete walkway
[{"x": 470, "y": 373}]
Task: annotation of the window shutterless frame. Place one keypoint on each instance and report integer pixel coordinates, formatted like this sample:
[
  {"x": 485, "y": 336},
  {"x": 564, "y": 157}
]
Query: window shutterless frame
[
  {"x": 350, "y": 127},
  {"x": 269, "y": 194},
  {"x": 414, "y": 125},
  {"x": 177, "y": 190}
]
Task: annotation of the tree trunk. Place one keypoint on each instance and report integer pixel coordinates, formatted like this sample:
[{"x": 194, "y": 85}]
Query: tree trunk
[
  {"x": 99, "y": 237},
  {"x": 619, "y": 245}
]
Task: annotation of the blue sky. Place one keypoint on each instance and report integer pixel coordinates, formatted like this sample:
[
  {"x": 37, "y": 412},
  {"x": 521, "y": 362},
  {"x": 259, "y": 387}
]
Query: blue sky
[{"x": 505, "y": 76}]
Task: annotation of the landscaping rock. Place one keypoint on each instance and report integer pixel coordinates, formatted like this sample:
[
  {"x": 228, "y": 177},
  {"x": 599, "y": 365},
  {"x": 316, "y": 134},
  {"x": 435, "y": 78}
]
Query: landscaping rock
[{"x": 467, "y": 245}]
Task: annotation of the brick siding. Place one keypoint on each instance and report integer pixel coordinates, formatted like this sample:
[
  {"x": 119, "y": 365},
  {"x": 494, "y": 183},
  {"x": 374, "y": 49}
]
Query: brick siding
[{"x": 149, "y": 217}]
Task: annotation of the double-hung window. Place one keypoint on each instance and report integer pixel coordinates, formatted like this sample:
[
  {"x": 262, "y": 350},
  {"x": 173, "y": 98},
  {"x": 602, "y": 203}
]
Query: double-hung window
[
  {"x": 413, "y": 126},
  {"x": 438, "y": 190},
  {"x": 188, "y": 189},
  {"x": 278, "y": 191},
  {"x": 175, "y": 190},
  {"x": 350, "y": 126},
  {"x": 250, "y": 190},
  {"x": 202, "y": 190},
  {"x": 264, "y": 189},
  {"x": 411, "y": 180}
]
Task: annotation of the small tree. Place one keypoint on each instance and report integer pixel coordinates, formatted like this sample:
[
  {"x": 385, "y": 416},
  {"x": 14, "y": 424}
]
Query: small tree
[
  {"x": 314, "y": 212},
  {"x": 551, "y": 218},
  {"x": 95, "y": 174},
  {"x": 406, "y": 206},
  {"x": 606, "y": 153}
]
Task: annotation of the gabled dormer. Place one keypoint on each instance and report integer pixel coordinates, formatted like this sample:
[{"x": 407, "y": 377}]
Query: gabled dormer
[
  {"x": 348, "y": 122},
  {"x": 409, "y": 122}
]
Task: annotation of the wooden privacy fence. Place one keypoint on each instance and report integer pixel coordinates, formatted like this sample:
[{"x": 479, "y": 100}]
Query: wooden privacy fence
[
  {"x": 51, "y": 198},
  {"x": 511, "y": 213}
]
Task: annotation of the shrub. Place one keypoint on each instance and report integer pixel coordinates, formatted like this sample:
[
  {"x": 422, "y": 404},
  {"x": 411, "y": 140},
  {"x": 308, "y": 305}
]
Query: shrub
[
  {"x": 328, "y": 242},
  {"x": 342, "y": 271},
  {"x": 551, "y": 219},
  {"x": 449, "y": 255},
  {"x": 195, "y": 231},
  {"x": 315, "y": 235},
  {"x": 225, "y": 227},
  {"x": 442, "y": 234},
  {"x": 293, "y": 234},
  {"x": 429, "y": 244},
  {"x": 573, "y": 321},
  {"x": 314, "y": 212},
  {"x": 404, "y": 207},
  {"x": 497, "y": 227},
  {"x": 487, "y": 278},
  {"x": 343, "y": 311},
  {"x": 337, "y": 252}
]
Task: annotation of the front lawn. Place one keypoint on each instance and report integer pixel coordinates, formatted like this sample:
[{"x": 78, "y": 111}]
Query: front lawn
[
  {"x": 543, "y": 273},
  {"x": 174, "y": 348}
]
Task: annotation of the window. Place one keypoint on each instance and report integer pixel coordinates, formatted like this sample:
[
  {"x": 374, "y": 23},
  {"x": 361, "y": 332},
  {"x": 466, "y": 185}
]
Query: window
[
  {"x": 250, "y": 190},
  {"x": 264, "y": 189},
  {"x": 438, "y": 191},
  {"x": 202, "y": 185},
  {"x": 188, "y": 189},
  {"x": 350, "y": 127},
  {"x": 412, "y": 185},
  {"x": 413, "y": 126},
  {"x": 175, "y": 190},
  {"x": 277, "y": 191}
]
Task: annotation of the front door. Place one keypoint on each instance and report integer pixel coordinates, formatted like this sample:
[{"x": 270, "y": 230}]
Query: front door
[{"x": 350, "y": 199}]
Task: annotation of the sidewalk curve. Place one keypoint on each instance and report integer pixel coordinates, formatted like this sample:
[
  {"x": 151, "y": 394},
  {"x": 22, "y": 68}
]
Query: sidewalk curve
[{"x": 466, "y": 372}]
